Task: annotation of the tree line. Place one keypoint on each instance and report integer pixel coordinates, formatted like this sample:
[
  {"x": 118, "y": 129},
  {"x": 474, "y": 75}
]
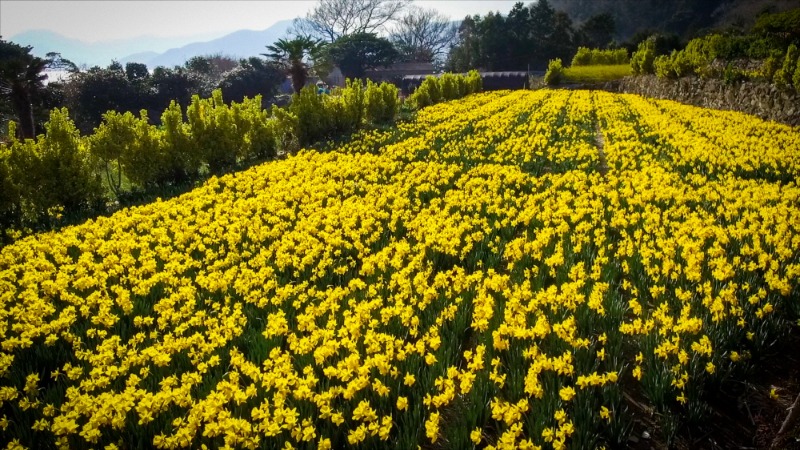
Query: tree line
[
  {"x": 353, "y": 35},
  {"x": 417, "y": 35}
]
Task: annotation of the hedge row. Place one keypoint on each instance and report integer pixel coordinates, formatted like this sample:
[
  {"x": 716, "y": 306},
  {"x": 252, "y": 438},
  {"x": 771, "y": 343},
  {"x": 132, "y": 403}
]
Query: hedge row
[
  {"x": 445, "y": 87},
  {"x": 709, "y": 57},
  {"x": 598, "y": 57}
]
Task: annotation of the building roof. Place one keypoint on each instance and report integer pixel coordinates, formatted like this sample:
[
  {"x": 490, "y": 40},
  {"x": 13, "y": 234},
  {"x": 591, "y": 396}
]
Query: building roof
[{"x": 506, "y": 74}]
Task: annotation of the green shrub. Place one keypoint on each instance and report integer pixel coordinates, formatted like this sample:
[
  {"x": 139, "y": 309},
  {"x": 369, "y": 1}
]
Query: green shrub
[
  {"x": 313, "y": 123},
  {"x": 784, "y": 24},
  {"x": 421, "y": 96},
  {"x": 286, "y": 128},
  {"x": 391, "y": 100},
  {"x": 336, "y": 109},
  {"x": 796, "y": 77},
  {"x": 321, "y": 116},
  {"x": 675, "y": 65},
  {"x": 759, "y": 47},
  {"x": 700, "y": 52},
  {"x": 29, "y": 200},
  {"x": 462, "y": 86},
  {"x": 783, "y": 76},
  {"x": 144, "y": 163},
  {"x": 10, "y": 214},
  {"x": 428, "y": 93},
  {"x": 582, "y": 58},
  {"x": 381, "y": 101},
  {"x": 449, "y": 86},
  {"x": 213, "y": 130},
  {"x": 474, "y": 82},
  {"x": 662, "y": 66},
  {"x": 446, "y": 87},
  {"x": 56, "y": 173},
  {"x": 68, "y": 169},
  {"x": 183, "y": 157},
  {"x": 111, "y": 143},
  {"x": 555, "y": 72},
  {"x": 769, "y": 67},
  {"x": 731, "y": 75},
  {"x": 354, "y": 103},
  {"x": 643, "y": 58},
  {"x": 619, "y": 56},
  {"x": 147, "y": 156},
  {"x": 434, "y": 88},
  {"x": 780, "y": 77},
  {"x": 258, "y": 128},
  {"x": 598, "y": 57}
]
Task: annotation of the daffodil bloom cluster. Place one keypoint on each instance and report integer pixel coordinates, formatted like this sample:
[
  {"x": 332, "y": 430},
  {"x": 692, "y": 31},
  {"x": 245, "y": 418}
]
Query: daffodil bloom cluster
[{"x": 470, "y": 279}]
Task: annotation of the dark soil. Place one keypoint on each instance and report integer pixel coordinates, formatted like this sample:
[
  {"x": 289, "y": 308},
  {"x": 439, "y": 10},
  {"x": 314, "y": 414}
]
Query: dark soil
[{"x": 743, "y": 415}]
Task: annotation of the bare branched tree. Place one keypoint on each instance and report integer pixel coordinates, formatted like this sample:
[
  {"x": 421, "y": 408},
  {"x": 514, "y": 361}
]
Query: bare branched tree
[
  {"x": 424, "y": 35},
  {"x": 332, "y": 19}
]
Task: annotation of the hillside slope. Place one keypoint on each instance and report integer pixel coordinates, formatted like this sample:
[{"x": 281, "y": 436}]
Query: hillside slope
[{"x": 471, "y": 278}]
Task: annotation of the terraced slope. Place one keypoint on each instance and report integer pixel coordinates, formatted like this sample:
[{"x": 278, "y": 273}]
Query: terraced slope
[{"x": 470, "y": 279}]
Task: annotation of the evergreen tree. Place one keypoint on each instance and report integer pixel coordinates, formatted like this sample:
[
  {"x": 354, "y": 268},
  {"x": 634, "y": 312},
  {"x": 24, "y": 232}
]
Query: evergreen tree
[{"x": 21, "y": 78}]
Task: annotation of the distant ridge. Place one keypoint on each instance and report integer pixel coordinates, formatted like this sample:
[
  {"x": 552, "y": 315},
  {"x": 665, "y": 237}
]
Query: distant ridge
[
  {"x": 152, "y": 51},
  {"x": 139, "y": 57},
  {"x": 99, "y": 53},
  {"x": 239, "y": 44}
]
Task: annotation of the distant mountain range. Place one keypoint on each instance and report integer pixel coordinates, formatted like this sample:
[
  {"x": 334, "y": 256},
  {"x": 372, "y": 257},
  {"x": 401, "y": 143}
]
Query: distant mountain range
[
  {"x": 153, "y": 51},
  {"x": 239, "y": 44}
]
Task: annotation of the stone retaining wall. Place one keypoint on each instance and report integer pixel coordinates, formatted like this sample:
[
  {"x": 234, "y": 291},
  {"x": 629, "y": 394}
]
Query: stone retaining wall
[{"x": 759, "y": 99}]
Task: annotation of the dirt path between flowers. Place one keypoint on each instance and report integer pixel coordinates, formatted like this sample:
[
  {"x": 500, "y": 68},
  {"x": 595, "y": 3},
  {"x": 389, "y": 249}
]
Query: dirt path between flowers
[{"x": 600, "y": 142}]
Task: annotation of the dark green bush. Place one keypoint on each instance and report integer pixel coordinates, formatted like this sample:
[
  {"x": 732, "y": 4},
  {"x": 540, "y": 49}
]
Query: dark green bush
[
  {"x": 449, "y": 86},
  {"x": 381, "y": 102},
  {"x": 111, "y": 143},
  {"x": 796, "y": 77},
  {"x": 769, "y": 67},
  {"x": 257, "y": 128},
  {"x": 213, "y": 129},
  {"x": 474, "y": 82},
  {"x": 354, "y": 103},
  {"x": 643, "y": 58},
  {"x": 183, "y": 158},
  {"x": 145, "y": 161},
  {"x": 9, "y": 194},
  {"x": 783, "y": 76},
  {"x": 676, "y": 65},
  {"x": 421, "y": 96},
  {"x": 55, "y": 174},
  {"x": 309, "y": 108},
  {"x": 731, "y": 75},
  {"x": 555, "y": 72}
]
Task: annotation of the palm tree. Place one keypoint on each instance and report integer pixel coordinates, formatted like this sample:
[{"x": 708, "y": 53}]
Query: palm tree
[
  {"x": 21, "y": 78},
  {"x": 291, "y": 55}
]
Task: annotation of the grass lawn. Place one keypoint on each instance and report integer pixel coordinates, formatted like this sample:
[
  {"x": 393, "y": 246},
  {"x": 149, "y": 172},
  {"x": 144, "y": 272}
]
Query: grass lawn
[{"x": 595, "y": 74}]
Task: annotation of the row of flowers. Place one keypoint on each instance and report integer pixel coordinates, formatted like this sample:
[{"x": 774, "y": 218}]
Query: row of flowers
[{"x": 471, "y": 278}]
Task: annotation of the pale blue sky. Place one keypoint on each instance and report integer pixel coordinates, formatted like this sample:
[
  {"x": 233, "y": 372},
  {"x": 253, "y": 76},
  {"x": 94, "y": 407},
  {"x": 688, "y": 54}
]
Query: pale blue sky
[{"x": 93, "y": 21}]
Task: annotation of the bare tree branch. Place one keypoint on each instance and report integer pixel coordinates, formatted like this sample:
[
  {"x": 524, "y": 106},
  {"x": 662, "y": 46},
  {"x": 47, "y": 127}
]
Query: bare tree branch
[
  {"x": 332, "y": 19},
  {"x": 424, "y": 35}
]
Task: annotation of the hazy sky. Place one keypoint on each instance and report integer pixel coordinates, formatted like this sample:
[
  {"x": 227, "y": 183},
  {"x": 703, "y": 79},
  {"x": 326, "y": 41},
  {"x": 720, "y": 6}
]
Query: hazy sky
[{"x": 92, "y": 21}]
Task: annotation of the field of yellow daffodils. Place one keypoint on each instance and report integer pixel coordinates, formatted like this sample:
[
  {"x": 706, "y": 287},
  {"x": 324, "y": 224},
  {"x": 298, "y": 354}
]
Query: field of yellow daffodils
[{"x": 504, "y": 271}]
